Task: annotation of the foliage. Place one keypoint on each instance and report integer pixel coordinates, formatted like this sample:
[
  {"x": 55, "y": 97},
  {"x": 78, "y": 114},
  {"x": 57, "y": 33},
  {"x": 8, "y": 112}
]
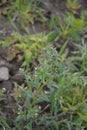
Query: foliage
[
  {"x": 54, "y": 94},
  {"x": 70, "y": 27},
  {"x": 25, "y": 12},
  {"x": 82, "y": 57},
  {"x": 73, "y": 6},
  {"x": 22, "y": 12},
  {"x": 1, "y": 94},
  {"x": 30, "y": 45},
  {"x": 58, "y": 85}
]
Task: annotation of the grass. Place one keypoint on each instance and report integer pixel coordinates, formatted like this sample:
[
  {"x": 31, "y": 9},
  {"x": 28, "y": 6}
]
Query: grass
[
  {"x": 70, "y": 27},
  {"x": 21, "y": 13},
  {"x": 27, "y": 12},
  {"x": 73, "y": 6},
  {"x": 58, "y": 85},
  {"x": 54, "y": 94}
]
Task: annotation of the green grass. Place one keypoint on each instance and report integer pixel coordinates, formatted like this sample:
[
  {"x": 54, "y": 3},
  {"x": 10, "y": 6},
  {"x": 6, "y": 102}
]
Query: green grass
[
  {"x": 70, "y": 27},
  {"x": 58, "y": 84},
  {"x": 73, "y": 6},
  {"x": 22, "y": 13},
  {"x": 53, "y": 95}
]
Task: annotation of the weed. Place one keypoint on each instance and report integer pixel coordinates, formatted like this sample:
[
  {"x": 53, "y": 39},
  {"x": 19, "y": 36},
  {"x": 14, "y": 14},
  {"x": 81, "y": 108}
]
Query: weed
[
  {"x": 3, "y": 120},
  {"x": 30, "y": 45},
  {"x": 60, "y": 88},
  {"x": 1, "y": 93},
  {"x": 54, "y": 95},
  {"x": 69, "y": 27},
  {"x": 73, "y": 6},
  {"x": 58, "y": 84},
  {"x": 25, "y": 12},
  {"x": 3, "y": 123},
  {"x": 82, "y": 57}
]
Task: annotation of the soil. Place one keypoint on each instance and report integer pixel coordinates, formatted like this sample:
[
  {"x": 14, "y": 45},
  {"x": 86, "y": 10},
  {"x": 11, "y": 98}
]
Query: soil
[{"x": 52, "y": 8}]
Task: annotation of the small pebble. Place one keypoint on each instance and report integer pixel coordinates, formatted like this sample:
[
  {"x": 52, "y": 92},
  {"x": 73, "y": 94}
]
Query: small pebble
[{"x": 4, "y": 73}]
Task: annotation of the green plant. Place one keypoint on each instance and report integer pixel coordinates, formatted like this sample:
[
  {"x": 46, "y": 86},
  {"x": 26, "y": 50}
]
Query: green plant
[
  {"x": 4, "y": 124},
  {"x": 25, "y": 12},
  {"x": 73, "y": 6},
  {"x": 30, "y": 45},
  {"x": 1, "y": 94},
  {"x": 56, "y": 84},
  {"x": 69, "y": 26},
  {"x": 54, "y": 95},
  {"x": 67, "y": 88},
  {"x": 3, "y": 120},
  {"x": 82, "y": 57}
]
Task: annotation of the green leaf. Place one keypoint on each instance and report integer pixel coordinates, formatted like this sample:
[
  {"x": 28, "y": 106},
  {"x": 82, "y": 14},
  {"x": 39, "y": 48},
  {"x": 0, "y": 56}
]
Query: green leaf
[
  {"x": 42, "y": 98},
  {"x": 52, "y": 36},
  {"x": 83, "y": 116}
]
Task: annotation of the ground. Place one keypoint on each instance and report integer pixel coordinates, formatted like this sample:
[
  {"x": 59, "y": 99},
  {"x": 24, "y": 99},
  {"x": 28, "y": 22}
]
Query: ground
[{"x": 52, "y": 8}]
